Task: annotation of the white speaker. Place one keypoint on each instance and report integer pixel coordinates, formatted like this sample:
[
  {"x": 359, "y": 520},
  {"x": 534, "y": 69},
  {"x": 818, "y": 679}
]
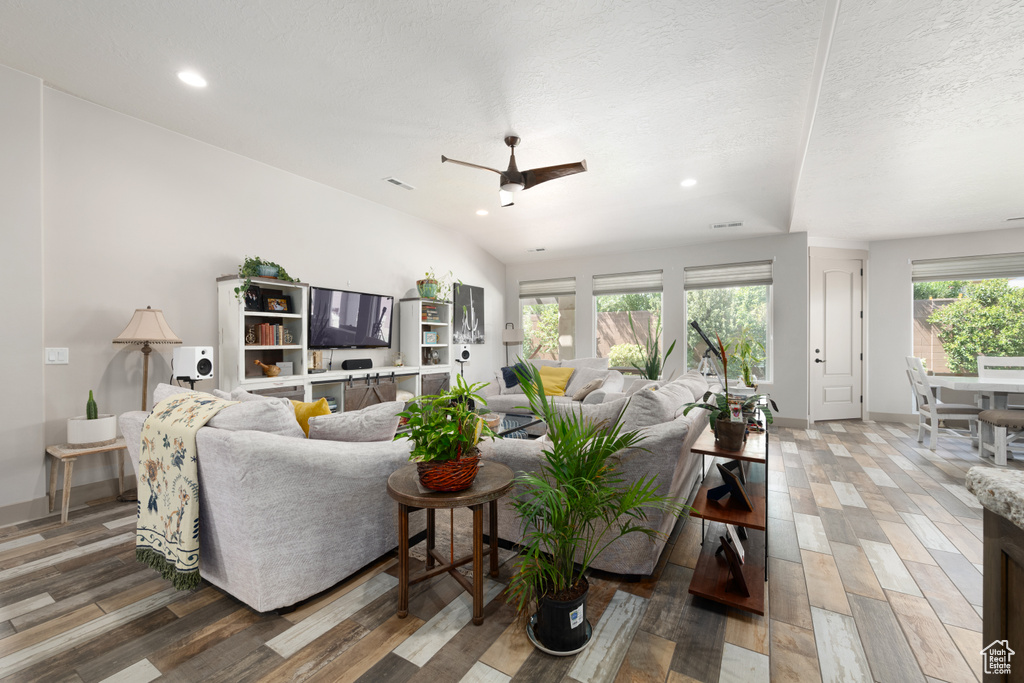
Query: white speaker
[
  {"x": 193, "y": 362},
  {"x": 463, "y": 353}
]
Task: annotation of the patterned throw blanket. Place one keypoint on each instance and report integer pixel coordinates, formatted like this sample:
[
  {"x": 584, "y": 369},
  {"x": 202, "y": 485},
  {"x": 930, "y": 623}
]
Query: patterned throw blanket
[{"x": 167, "y": 534}]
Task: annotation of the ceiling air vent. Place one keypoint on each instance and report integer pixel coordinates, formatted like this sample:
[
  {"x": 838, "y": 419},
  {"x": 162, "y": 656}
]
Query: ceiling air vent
[
  {"x": 537, "y": 249},
  {"x": 399, "y": 183},
  {"x": 728, "y": 224}
]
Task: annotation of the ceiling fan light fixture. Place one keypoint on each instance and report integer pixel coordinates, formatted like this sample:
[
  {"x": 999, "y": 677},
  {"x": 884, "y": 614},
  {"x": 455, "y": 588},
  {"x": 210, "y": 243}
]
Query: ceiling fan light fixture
[
  {"x": 482, "y": 212},
  {"x": 512, "y": 187}
]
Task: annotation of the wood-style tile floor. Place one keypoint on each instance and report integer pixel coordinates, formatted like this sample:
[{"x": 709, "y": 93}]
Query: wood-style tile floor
[{"x": 875, "y": 574}]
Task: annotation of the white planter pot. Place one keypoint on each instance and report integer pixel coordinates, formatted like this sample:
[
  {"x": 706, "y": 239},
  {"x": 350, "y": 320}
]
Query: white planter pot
[{"x": 82, "y": 430}]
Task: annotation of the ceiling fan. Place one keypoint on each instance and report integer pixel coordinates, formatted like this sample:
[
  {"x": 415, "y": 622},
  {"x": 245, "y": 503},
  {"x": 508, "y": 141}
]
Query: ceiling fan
[{"x": 513, "y": 180}]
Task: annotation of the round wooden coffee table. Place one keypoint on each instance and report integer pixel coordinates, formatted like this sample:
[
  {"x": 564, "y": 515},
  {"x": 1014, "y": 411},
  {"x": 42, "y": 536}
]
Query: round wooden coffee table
[{"x": 492, "y": 482}]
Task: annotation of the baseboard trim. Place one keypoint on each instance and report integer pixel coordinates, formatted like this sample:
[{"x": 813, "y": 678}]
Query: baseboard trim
[
  {"x": 39, "y": 508},
  {"x": 893, "y": 417},
  {"x": 791, "y": 422}
]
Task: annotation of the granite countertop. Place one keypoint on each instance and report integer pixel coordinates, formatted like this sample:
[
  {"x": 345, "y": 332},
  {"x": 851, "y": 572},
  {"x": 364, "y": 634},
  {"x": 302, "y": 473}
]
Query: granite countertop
[{"x": 999, "y": 490}]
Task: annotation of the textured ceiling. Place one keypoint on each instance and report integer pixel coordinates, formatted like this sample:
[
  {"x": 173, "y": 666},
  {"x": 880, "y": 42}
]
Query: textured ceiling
[{"x": 919, "y": 114}]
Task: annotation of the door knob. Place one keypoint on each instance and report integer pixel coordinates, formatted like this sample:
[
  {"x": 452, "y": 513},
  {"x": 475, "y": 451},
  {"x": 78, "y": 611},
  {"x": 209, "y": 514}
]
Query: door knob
[{"x": 818, "y": 360}]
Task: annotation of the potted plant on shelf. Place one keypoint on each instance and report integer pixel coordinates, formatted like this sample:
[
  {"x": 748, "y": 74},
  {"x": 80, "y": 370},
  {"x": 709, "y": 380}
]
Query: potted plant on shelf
[
  {"x": 652, "y": 363},
  {"x": 445, "y": 431},
  {"x": 257, "y": 267},
  {"x": 572, "y": 510},
  {"x": 437, "y": 287},
  {"x": 729, "y": 415}
]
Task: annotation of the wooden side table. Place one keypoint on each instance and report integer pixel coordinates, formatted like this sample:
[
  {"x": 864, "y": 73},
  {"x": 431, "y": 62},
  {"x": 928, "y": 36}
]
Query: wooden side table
[
  {"x": 492, "y": 482},
  {"x": 68, "y": 453}
]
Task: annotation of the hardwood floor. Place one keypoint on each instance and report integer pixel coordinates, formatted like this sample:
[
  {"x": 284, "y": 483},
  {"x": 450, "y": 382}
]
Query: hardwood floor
[{"x": 875, "y": 551}]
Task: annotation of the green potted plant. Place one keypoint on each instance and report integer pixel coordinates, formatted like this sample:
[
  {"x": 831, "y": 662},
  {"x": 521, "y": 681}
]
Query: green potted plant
[
  {"x": 445, "y": 430},
  {"x": 728, "y": 415},
  {"x": 572, "y": 510},
  {"x": 257, "y": 267},
  {"x": 437, "y": 287},
  {"x": 750, "y": 353},
  {"x": 652, "y": 363}
]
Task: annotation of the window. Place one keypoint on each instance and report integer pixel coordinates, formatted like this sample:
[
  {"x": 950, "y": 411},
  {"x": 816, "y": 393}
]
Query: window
[
  {"x": 617, "y": 299},
  {"x": 732, "y": 301},
  {"x": 548, "y": 311},
  {"x": 967, "y": 307}
]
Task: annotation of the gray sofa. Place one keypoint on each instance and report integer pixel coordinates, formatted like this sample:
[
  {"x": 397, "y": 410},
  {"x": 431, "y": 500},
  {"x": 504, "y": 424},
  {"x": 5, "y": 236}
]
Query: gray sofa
[
  {"x": 667, "y": 455},
  {"x": 502, "y": 399},
  {"x": 284, "y": 518}
]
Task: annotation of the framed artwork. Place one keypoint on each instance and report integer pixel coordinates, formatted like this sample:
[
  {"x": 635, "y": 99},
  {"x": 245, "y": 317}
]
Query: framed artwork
[
  {"x": 279, "y": 304},
  {"x": 468, "y": 314},
  {"x": 732, "y": 488},
  {"x": 253, "y": 298},
  {"x": 735, "y": 569},
  {"x": 737, "y": 542}
]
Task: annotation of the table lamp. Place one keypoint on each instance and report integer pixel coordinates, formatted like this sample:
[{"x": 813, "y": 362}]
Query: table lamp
[
  {"x": 509, "y": 337},
  {"x": 146, "y": 327}
]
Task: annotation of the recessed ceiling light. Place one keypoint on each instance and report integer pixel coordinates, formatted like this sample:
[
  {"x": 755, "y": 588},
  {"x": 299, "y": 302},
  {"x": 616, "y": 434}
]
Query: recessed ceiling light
[
  {"x": 689, "y": 182},
  {"x": 192, "y": 78},
  {"x": 482, "y": 212}
]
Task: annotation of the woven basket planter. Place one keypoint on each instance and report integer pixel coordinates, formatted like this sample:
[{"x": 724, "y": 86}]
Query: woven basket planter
[{"x": 452, "y": 475}]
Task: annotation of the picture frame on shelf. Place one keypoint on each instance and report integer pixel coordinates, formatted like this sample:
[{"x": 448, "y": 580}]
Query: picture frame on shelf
[
  {"x": 278, "y": 304},
  {"x": 737, "y": 542},
  {"x": 253, "y": 298},
  {"x": 735, "y": 568},
  {"x": 430, "y": 337},
  {"x": 731, "y": 487}
]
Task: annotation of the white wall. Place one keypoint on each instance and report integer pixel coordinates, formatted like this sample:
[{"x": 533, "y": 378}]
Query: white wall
[
  {"x": 890, "y": 295},
  {"x": 136, "y": 216},
  {"x": 789, "y": 294},
  {"x": 21, "y": 243}
]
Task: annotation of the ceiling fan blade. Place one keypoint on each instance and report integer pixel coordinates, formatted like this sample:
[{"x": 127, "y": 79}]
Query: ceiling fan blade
[
  {"x": 466, "y": 163},
  {"x": 536, "y": 176},
  {"x": 506, "y": 198}
]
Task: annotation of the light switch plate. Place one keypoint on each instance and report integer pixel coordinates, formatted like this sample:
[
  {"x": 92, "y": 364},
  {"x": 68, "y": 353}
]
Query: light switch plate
[{"x": 56, "y": 356}]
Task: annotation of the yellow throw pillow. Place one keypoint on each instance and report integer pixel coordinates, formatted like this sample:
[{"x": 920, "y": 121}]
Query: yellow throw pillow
[
  {"x": 555, "y": 380},
  {"x": 304, "y": 411}
]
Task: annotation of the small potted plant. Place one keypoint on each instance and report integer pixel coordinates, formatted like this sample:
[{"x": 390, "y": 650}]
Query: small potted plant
[
  {"x": 572, "y": 510},
  {"x": 257, "y": 267},
  {"x": 652, "y": 363},
  {"x": 437, "y": 287},
  {"x": 728, "y": 415},
  {"x": 445, "y": 430}
]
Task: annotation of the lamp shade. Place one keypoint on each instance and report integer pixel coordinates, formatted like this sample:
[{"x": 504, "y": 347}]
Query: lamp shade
[
  {"x": 511, "y": 336},
  {"x": 147, "y": 326}
]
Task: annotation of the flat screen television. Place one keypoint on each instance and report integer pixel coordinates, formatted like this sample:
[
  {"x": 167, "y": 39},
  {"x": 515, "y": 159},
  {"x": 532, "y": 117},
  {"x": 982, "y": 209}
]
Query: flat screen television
[{"x": 349, "y": 320}]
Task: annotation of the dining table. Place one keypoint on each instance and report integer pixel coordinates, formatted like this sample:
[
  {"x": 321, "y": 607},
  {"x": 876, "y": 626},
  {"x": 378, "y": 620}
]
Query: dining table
[{"x": 994, "y": 393}]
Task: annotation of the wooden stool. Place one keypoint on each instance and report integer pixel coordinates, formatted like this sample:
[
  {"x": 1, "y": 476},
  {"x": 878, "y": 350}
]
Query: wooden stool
[
  {"x": 68, "y": 453},
  {"x": 492, "y": 482}
]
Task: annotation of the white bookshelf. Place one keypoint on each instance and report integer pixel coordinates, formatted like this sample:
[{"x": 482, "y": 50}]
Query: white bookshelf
[{"x": 414, "y": 349}]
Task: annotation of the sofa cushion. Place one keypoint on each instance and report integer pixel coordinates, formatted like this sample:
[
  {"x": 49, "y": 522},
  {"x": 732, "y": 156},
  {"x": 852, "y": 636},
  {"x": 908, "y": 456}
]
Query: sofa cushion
[
  {"x": 223, "y": 395},
  {"x": 240, "y": 394},
  {"x": 638, "y": 384},
  {"x": 654, "y": 405},
  {"x": 587, "y": 389},
  {"x": 555, "y": 380},
  {"x": 304, "y": 411},
  {"x": 583, "y": 376},
  {"x": 509, "y": 376},
  {"x": 165, "y": 391},
  {"x": 271, "y": 417},
  {"x": 373, "y": 423},
  {"x": 601, "y": 414},
  {"x": 499, "y": 381}
]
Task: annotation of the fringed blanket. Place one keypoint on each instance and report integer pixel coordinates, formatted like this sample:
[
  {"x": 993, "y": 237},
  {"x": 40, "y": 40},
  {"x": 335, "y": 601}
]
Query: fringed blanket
[{"x": 167, "y": 534}]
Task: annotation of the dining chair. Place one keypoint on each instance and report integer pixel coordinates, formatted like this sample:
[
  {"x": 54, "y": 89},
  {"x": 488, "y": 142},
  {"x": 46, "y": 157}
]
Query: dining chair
[
  {"x": 1002, "y": 421},
  {"x": 931, "y": 411},
  {"x": 1001, "y": 367}
]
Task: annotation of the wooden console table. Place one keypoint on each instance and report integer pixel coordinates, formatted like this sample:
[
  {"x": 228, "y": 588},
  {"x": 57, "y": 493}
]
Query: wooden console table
[
  {"x": 711, "y": 578},
  {"x": 68, "y": 453},
  {"x": 492, "y": 482}
]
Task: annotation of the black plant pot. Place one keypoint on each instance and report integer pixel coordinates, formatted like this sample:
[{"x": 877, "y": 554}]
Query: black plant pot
[
  {"x": 731, "y": 435},
  {"x": 555, "y": 627}
]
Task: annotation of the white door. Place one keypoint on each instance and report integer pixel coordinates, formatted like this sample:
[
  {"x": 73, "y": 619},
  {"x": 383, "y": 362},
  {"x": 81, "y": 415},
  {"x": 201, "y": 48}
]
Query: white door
[{"x": 836, "y": 321}]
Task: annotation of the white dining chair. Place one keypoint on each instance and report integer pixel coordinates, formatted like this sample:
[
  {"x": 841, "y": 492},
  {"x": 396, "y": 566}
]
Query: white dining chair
[
  {"x": 1007, "y": 427},
  {"x": 1001, "y": 367},
  {"x": 930, "y": 411}
]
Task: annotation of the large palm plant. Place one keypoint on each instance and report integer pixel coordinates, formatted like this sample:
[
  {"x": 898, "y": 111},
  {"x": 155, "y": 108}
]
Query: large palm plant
[{"x": 578, "y": 504}]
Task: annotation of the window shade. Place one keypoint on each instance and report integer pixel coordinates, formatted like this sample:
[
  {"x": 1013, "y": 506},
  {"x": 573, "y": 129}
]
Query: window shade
[
  {"x": 628, "y": 283},
  {"x": 532, "y": 289},
  {"x": 728, "y": 275},
  {"x": 968, "y": 267}
]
